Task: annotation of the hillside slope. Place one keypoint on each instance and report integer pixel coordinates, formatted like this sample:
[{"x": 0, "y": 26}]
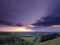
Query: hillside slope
[{"x": 51, "y": 42}]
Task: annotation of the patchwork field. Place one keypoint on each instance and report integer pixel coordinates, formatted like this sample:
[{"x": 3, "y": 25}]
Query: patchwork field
[
  {"x": 20, "y": 39},
  {"x": 29, "y": 39}
]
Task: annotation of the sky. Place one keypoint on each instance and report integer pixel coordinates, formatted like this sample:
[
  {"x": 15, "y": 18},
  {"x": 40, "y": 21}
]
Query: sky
[
  {"x": 26, "y": 11},
  {"x": 29, "y": 12}
]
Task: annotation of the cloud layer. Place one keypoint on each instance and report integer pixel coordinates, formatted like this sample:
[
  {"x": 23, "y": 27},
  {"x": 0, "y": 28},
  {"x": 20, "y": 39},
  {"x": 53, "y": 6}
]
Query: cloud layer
[
  {"x": 9, "y": 23},
  {"x": 5, "y": 23},
  {"x": 26, "y": 11},
  {"x": 50, "y": 19}
]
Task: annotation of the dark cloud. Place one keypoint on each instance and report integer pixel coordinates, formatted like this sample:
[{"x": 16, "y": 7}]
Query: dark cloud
[
  {"x": 25, "y": 11},
  {"x": 19, "y": 24},
  {"x": 51, "y": 19},
  {"x": 5, "y": 23},
  {"x": 9, "y": 23}
]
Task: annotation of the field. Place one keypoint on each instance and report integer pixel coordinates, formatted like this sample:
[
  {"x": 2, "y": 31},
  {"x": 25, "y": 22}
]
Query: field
[
  {"x": 23, "y": 39},
  {"x": 29, "y": 39}
]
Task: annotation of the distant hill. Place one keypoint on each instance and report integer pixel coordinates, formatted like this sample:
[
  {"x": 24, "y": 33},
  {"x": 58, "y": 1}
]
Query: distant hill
[{"x": 33, "y": 33}]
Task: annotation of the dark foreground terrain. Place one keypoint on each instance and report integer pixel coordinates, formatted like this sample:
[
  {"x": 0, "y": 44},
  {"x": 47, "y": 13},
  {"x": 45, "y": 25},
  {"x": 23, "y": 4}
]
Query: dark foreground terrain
[{"x": 7, "y": 38}]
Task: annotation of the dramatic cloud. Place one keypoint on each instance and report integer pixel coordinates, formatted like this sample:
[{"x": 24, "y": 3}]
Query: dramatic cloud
[
  {"x": 26, "y": 11},
  {"x": 51, "y": 19},
  {"x": 9, "y": 23},
  {"x": 5, "y": 23}
]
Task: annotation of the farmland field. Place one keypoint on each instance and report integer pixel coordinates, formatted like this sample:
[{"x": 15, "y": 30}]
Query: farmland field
[{"x": 23, "y": 39}]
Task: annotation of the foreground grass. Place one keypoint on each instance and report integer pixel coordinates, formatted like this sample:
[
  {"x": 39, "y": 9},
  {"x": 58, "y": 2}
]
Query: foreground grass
[{"x": 51, "y": 42}]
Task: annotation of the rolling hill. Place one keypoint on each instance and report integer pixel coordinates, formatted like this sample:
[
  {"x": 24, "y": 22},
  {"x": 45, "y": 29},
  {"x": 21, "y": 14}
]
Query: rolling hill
[{"x": 51, "y": 42}]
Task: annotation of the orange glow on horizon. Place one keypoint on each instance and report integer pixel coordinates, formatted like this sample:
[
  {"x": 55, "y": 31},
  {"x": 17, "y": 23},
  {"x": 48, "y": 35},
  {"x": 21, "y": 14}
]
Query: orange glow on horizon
[
  {"x": 15, "y": 29},
  {"x": 23, "y": 29}
]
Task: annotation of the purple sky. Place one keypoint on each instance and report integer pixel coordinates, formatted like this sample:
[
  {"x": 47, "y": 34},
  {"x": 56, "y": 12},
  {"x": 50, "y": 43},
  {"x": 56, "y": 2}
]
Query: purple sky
[{"x": 26, "y": 11}]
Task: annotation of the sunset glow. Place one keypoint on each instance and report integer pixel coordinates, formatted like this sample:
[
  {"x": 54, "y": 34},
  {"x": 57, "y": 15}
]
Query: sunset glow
[
  {"x": 29, "y": 26},
  {"x": 56, "y": 26},
  {"x": 15, "y": 29},
  {"x": 23, "y": 29}
]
